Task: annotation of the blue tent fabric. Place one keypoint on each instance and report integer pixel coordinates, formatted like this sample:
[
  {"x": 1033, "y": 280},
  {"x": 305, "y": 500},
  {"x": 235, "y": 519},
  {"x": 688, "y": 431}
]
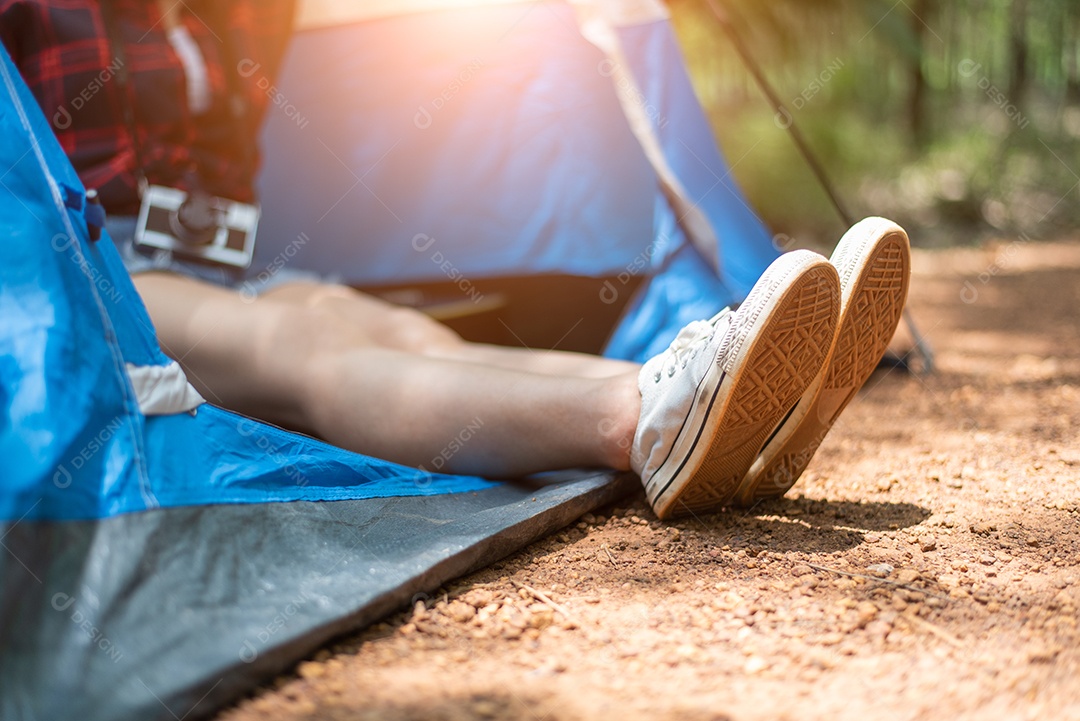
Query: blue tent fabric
[
  {"x": 62, "y": 375},
  {"x": 683, "y": 284},
  {"x": 745, "y": 246},
  {"x": 160, "y": 567},
  {"x": 499, "y": 149},
  {"x": 74, "y": 441},
  {"x": 498, "y": 141}
]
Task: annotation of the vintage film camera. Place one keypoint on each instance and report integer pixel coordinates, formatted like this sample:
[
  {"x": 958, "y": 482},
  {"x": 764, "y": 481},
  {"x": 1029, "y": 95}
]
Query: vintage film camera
[{"x": 197, "y": 226}]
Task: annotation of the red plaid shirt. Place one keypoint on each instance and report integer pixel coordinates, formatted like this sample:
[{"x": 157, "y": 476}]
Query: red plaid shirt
[{"x": 62, "y": 50}]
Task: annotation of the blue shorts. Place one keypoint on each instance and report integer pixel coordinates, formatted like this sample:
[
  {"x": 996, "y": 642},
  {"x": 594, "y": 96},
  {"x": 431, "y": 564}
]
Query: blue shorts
[{"x": 248, "y": 281}]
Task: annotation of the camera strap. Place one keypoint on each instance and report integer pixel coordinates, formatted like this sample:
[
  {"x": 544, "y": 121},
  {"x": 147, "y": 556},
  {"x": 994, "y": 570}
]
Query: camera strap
[{"x": 237, "y": 102}]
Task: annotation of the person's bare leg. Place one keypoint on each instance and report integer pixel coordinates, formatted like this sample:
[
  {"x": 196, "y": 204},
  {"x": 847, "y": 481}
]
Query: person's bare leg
[
  {"x": 407, "y": 329},
  {"x": 466, "y": 418},
  {"x": 305, "y": 366}
]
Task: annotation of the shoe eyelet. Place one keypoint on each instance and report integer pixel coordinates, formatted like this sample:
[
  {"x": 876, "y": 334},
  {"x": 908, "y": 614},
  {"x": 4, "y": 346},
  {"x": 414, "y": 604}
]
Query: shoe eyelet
[
  {"x": 656, "y": 377},
  {"x": 671, "y": 371}
]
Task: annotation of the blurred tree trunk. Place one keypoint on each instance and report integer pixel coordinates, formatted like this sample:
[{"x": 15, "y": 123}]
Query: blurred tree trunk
[
  {"x": 1072, "y": 54},
  {"x": 922, "y": 12},
  {"x": 1018, "y": 52}
]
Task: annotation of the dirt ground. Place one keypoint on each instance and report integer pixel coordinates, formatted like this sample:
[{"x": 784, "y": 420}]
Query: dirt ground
[{"x": 927, "y": 564}]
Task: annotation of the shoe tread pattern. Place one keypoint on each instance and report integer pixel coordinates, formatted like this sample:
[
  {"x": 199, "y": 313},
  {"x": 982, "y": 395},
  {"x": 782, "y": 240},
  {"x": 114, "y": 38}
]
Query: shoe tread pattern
[
  {"x": 876, "y": 305},
  {"x": 787, "y": 355}
]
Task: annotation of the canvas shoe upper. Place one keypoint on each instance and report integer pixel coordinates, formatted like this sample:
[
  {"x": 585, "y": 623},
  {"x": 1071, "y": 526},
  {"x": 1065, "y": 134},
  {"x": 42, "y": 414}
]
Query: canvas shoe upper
[
  {"x": 711, "y": 399},
  {"x": 873, "y": 261}
]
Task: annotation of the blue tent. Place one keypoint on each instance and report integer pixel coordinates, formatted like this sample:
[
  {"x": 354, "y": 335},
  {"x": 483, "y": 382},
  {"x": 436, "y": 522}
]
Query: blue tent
[{"x": 160, "y": 556}]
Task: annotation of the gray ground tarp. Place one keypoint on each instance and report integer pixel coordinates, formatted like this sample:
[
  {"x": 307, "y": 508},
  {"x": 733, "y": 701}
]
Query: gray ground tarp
[{"x": 170, "y": 614}]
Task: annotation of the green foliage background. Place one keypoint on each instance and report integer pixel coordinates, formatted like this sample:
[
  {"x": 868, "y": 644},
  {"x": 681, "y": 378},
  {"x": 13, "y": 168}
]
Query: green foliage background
[{"x": 961, "y": 120}]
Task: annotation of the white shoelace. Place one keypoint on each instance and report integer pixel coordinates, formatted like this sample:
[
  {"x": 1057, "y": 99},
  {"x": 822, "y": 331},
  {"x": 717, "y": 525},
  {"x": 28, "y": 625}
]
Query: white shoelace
[{"x": 688, "y": 342}]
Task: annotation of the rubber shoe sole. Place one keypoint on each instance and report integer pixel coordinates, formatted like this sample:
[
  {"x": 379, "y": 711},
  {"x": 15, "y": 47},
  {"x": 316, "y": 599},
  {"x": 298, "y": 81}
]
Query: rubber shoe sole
[
  {"x": 776, "y": 354},
  {"x": 874, "y": 290}
]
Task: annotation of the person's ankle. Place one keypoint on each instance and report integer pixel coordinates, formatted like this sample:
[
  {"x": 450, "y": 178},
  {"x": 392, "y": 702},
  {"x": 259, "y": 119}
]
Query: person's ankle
[{"x": 618, "y": 422}]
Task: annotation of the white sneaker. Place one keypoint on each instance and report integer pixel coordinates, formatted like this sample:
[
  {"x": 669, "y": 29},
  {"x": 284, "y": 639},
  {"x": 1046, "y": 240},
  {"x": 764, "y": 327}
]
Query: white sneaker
[
  {"x": 873, "y": 260},
  {"x": 709, "y": 402}
]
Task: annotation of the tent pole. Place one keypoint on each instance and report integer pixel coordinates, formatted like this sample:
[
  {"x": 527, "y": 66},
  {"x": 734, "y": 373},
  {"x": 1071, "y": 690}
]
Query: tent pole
[
  {"x": 778, "y": 106},
  {"x": 921, "y": 346}
]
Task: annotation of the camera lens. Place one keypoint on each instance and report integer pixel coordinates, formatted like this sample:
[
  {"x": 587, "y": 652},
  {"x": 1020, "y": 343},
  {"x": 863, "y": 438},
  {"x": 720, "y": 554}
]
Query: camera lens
[{"x": 195, "y": 221}]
